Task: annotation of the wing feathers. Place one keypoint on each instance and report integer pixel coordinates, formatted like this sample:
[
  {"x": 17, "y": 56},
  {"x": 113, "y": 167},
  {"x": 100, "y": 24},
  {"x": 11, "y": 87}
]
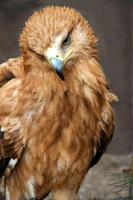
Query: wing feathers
[
  {"x": 11, "y": 69},
  {"x": 104, "y": 132},
  {"x": 11, "y": 145},
  {"x": 3, "y": 164}
]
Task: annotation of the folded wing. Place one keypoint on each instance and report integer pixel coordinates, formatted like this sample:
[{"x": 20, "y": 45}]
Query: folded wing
[{"x": 11, "y": 135}]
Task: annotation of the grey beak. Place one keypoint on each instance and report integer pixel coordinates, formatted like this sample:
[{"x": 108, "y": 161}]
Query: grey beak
[{"x": 58, "y": 66}]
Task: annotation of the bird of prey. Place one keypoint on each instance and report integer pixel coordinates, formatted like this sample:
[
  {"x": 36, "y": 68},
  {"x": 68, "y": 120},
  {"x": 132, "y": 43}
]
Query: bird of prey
[{"x": 55, "y": 114}]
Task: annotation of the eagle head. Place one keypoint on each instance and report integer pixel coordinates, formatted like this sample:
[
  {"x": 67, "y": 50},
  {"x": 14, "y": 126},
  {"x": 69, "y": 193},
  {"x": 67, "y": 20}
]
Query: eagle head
[{"x": 58, "y": 37}]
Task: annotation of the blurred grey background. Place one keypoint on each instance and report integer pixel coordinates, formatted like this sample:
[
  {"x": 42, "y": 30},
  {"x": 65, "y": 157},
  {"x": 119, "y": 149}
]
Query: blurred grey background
[{"x": 112, "y": 22}]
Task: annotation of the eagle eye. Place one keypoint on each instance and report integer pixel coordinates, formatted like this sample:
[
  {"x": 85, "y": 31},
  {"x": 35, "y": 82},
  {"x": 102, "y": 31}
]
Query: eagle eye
[{"x": 67, "y": 41}]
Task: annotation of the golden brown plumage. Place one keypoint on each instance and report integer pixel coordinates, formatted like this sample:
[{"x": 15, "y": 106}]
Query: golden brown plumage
[{"x": 57, "y": 129}]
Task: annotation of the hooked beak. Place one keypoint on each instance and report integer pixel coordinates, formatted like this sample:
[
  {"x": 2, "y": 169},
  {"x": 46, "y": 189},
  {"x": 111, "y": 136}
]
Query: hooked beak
[
  {"x": 57, "y": 60},
  {"x": 58, "y": 66}
]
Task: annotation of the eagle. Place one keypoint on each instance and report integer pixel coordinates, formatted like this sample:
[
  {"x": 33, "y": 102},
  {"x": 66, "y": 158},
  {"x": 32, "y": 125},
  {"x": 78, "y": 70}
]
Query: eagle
[{"x": 56, "y": 118}]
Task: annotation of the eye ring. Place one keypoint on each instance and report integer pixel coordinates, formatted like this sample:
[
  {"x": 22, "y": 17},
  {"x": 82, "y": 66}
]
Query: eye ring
[{"x": 67, "y": 41}]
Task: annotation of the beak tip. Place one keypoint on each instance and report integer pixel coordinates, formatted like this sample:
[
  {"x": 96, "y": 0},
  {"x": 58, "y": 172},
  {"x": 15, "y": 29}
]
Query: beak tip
[{"x": 60, "y": 74}]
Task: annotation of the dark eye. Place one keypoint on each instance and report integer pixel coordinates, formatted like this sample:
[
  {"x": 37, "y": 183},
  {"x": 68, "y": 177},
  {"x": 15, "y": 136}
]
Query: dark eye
[{"x": 66, "y": 41}]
